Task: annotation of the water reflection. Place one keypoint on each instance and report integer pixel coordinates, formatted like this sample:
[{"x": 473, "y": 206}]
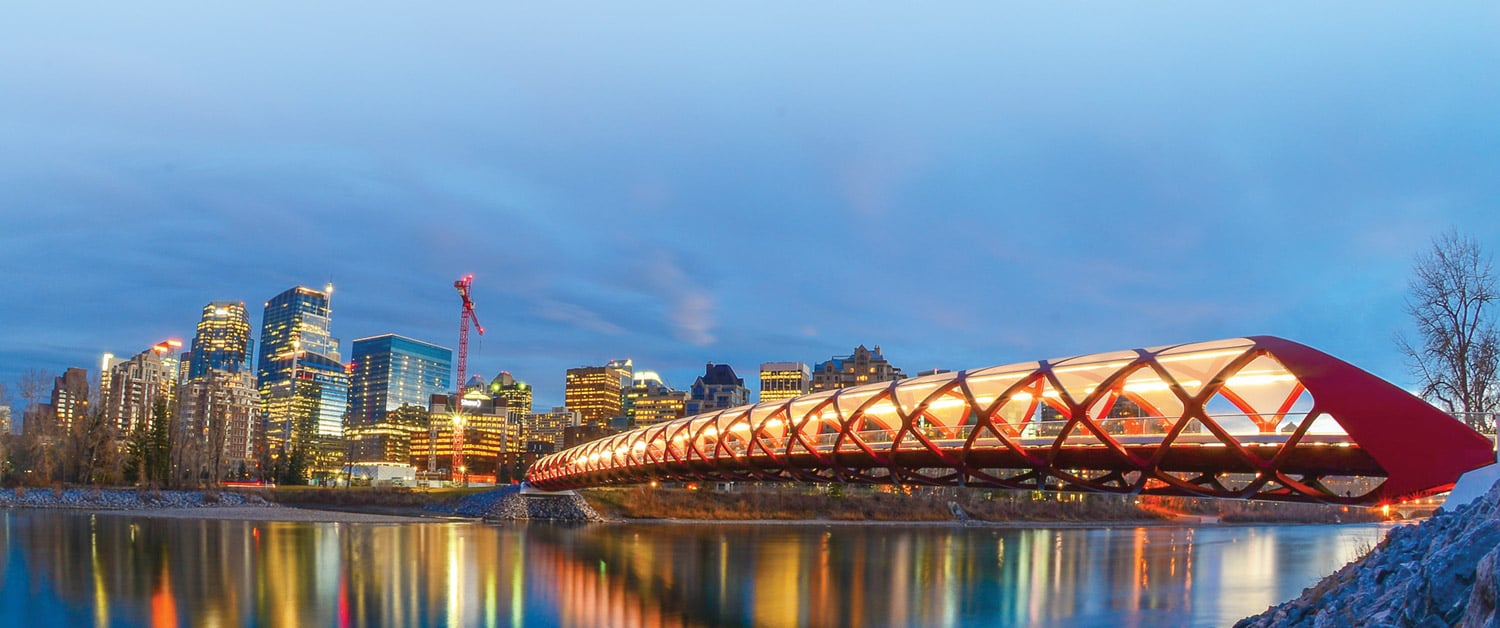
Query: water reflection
[{"x": 81, "y": 569}]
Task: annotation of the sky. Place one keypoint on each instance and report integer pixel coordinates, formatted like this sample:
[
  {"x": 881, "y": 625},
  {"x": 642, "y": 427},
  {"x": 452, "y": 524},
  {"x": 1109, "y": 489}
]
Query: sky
[{"x": 963, "y": 184}]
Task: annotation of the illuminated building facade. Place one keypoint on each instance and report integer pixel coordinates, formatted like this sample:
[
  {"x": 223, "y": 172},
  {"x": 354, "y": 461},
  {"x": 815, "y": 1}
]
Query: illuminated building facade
[
  {"x": 135, "y": 385},
  {"x": 597, "y": 392},
  {"x": 864, "y": 366},
  {"x": 550, "y": 427},
  {"x": 304, "y": 387},
  {"x": 514, "y": 393},
  {"x": 718, "y": 388},
  {"x": 488, "y": 433},
  {"x": 388, "y": 440},
  {"x": 784, "y": 380},
  {"x": 70, "y": 399},
  {"x": 6, "y": 425},
  {"x": 222, "y": 341},
  {"x": 392, "y": 371},
  {"x": 650, "y": 400}
]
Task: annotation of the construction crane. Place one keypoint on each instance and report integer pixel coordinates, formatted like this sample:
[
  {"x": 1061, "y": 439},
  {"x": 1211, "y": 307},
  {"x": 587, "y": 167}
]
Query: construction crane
[{"x": 464, "y": 317}]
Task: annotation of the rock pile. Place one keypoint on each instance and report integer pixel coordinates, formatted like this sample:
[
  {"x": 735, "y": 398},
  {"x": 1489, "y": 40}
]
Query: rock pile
[
  {"x": 1442, "y": 572},
  {"x": 120, "y": 499},
  {"x": 509, "y": 504}
]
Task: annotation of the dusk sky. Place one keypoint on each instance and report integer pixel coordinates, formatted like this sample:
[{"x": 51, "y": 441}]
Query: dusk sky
[{"x": 962, "y": 184}]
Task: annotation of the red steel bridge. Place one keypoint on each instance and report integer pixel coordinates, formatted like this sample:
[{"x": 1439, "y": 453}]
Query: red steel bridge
[{"x": 1245, "y": 418}]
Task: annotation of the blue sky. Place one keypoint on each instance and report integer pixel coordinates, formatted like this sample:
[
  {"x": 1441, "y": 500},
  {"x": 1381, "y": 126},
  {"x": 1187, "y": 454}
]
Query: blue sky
[{"x": 964, "y": 185}]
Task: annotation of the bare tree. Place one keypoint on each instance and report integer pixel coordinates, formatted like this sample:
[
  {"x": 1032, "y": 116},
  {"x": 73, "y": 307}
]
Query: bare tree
[
  {"x": 33, "y": 388},
  {"x": 1452, "y": 289},
  {"x": 40, "y": 439}
]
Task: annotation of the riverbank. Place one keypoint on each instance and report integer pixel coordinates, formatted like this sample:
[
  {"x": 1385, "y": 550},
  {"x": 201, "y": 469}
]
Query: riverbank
[
  {"x": 204, "y": 505},
  {"x": 946, "y": 505},
  {"x": 740, "y": 503},
  {"x": 1444, "y": 571}
]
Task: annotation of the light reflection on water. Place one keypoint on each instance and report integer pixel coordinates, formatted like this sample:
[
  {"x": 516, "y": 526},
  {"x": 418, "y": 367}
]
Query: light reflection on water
[{"x": 82, "y": 569}]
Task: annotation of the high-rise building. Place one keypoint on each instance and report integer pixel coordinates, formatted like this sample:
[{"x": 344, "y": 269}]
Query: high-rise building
[
  {"x": 388, "y": 440},
  {"x": 391, "y": 371},
  {"x": 221, "y": 410},
  {"x": 864, "y": 366},
  {"x": 137, "y": 384},
  {"x": 6, "y": 426},
  {"x": 304, "y": 388},
  {"x": 222, "y": 341},
  {"x": 650, "y": 400},
  {"x": 718, "y": 388},
  {"x": 596, "y": 392},
  {"x": 70, "y": 398},
  {"x": 515, "y": 393},
  {"x": 549, "y": 427},
  {"x": 488, "y": 435},
  {"x": 784, "y": 380}
]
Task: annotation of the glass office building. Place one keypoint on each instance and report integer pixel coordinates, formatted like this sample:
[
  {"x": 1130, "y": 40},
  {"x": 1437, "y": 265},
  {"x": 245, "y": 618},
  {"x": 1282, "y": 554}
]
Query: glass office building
[
  {"x": 222, "y": 341},
  {"x": 390, "y": 371},
  {"x": 304, "y": 387}
]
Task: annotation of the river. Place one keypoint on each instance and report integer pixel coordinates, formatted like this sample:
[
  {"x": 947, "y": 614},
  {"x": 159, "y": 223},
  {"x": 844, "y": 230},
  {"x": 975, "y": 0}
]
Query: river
[{"x": 80, "y": 569}]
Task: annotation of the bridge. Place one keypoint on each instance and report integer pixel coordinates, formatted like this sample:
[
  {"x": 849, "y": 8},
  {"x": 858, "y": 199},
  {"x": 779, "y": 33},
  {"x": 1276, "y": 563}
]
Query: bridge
[{"x": 1245, "y": 418}]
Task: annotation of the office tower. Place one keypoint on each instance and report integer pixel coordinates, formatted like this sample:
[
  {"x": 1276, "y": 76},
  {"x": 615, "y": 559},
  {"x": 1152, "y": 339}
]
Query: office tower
[
  {"x": 784, "y": 380},
  {"x": 391, "y": 371},
  {"x": 304, "y": 388},
  {"x": 861, "y": 367},
  {"x": 489, "y": 435},
  {"x": 549, "y": 427},
  {"x": 222, "y": 341},
  {"x": 650, "y": 400},
  {"x": 718, "y": 388},
  {"x": 6, "y": 425},
  {"x": 515, "y": 393},
  {"x": 596, "y": 392},
  {"x": 137, "y": 384}
]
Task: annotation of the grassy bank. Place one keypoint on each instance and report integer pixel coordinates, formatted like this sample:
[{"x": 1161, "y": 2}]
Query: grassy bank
[{"x": 887, "y": 503}]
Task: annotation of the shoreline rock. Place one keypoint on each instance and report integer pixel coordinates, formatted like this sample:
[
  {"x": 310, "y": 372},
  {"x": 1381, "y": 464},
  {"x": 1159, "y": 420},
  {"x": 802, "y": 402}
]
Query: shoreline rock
[
  {"x": 509, "y": 504},
  {"x": 126, "y": 499},
  {"x": 1444, "y": 571}
]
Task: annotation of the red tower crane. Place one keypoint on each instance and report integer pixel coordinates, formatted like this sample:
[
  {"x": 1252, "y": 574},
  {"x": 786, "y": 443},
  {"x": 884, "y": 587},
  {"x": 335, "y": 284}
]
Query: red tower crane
[{"x": 464, "y": 317}]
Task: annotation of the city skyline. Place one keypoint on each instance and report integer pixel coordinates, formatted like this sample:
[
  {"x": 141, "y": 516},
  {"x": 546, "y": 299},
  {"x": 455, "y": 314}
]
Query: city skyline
[{"x": 991, "y": 195}]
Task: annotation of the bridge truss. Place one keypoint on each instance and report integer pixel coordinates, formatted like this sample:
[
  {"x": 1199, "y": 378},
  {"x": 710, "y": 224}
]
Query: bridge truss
[{"x": 1246, "y": 418}]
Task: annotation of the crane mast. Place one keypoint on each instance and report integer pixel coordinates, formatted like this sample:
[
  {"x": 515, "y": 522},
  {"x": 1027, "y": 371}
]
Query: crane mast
[{"x": 464, "y": 318}]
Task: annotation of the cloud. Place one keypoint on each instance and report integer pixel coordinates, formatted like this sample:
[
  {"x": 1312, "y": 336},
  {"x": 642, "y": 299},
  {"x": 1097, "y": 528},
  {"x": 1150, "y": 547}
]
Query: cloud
[
  {"x": 694, "y": 320},
  {"x": 577, "y": 316},
  {"x": 690, "y": 308}
]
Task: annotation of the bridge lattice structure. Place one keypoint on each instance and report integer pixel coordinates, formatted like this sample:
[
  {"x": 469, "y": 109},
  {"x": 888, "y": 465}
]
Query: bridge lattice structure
[{"x": 1247, "y": 418}]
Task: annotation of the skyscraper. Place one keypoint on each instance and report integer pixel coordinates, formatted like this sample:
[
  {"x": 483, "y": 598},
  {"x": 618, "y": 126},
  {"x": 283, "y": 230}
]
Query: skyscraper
[
  {"x": 516, "y": 393},
  {"x": 391, "y": 371},
  {"x": 222, "y": 341},
  {"x": 861, "y": 367},
  {"x": 304, "y": 388},
  {"x": 135, "y": 385},
  {"x": 596, "y": 391},
  {"x": 784, "y": 380},
  {"x": 650, "y": 400},
  {"x": 718, "y": 388},
  {"x": 70, "y": 398}
]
